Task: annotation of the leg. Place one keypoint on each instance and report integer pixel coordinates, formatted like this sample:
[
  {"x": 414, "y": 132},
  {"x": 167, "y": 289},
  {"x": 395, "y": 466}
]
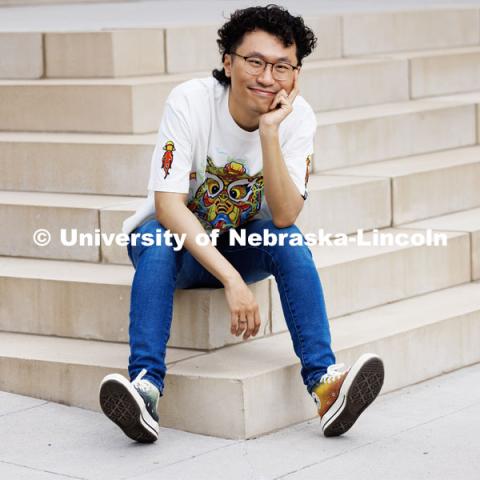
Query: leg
[
  {"x": 132, "y": 405},
  {"x": 159, "y": 270},
  {"x": 300, "y": 292},
  {"x": 151, "y": 305}
]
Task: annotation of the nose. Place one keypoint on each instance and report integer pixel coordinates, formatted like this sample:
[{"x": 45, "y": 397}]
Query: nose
[{"x": 266, "y": 78}]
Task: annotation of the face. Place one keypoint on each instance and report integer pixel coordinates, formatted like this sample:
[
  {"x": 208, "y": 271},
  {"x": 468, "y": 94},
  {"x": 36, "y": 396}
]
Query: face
[{"x": 255, "y": 93}]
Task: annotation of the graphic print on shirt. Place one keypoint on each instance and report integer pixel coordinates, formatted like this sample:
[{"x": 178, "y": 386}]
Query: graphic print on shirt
[
  {"x": 228, "y": 197},
  {"x": 307, "y": 174},
  {"x": 167, "y": 158}
]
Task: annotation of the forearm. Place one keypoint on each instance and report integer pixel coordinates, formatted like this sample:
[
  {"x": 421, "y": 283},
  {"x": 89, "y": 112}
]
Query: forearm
[
  {"x": 179, "y": 219},
  {"x": 283, "y": 197}
]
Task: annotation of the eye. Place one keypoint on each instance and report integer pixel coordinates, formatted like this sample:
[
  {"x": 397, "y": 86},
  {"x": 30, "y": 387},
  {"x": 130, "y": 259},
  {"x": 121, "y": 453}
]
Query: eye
[
  {"x": 239, "y": 190},
  {"x": 214, "y": 185},
  {"x": 255, "y": 62},
  {"x": 282, "y": 67}
]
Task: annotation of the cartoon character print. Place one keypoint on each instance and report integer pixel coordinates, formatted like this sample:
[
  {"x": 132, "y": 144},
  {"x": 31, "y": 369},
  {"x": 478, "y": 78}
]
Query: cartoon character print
[
  {"x": 307, "y": 175},
  {"x": 167, "y": 158},
  {"x": 228, "y": 197}
]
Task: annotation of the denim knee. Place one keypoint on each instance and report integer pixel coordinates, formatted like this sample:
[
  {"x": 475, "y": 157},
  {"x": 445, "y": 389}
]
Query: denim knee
[
  {"x": 286, "y": 250},
  {"x": 148, "y": 231}
]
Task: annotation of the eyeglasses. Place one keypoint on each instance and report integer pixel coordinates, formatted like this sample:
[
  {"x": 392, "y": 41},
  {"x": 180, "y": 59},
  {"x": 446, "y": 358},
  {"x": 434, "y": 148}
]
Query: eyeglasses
[{"x": 256, "y": 66}]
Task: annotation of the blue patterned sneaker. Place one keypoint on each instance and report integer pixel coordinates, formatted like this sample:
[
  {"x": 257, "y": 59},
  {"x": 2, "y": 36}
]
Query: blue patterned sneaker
[
  {"x": 342, "y": 394},
  {"x": 131, "y": 405}
]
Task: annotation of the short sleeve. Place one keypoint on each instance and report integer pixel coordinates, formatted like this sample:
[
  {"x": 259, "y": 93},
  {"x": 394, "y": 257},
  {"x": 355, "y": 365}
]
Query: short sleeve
[
  {"x": 298, "y": 150},
  {"x": 173, "y": 153}
]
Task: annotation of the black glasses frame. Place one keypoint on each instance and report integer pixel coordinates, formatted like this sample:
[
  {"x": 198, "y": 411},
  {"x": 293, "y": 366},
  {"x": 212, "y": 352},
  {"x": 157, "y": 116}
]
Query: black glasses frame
[{"x": 266, "y": 63}]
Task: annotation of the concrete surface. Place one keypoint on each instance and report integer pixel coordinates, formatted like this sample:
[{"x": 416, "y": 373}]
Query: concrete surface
[
  {"x": 183, "y": 12},
  {"x": 426, "y": 431}
]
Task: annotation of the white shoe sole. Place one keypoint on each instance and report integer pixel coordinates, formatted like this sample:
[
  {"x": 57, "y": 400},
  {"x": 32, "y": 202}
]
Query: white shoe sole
[
  {"x": 359, "y": 389},
  {"x": 122, "y": 404}
]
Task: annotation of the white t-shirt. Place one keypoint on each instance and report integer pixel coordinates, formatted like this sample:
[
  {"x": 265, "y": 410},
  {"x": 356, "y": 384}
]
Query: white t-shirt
[{"x": 200, "y": 150}]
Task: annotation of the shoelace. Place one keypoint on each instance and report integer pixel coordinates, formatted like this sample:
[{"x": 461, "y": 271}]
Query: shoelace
[
  {"x": 333, "y": 372},
  {"x": 144, "y": 385}
]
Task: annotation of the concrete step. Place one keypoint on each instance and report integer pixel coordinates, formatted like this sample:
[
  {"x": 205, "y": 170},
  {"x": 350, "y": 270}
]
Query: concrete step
[
  {"x": 410, "y": 29},
  {"x": 84, "y": 300},
  {"x": 441, "y": 72},
  {"x": 184, "y": 41},
  {"x": 364, "y": 274},
  {"x": 134, "y": 51},
  {"x": 381, "y": 132},
  {"x": 23, "y": 213},
  {"x": 427, "y": 185},
  {"x": 103, "y": 164},
  {"x": 134, "y": 104},
  {"x": 365, "y": 203},
  {"x": 140, "y": 51},
  {"x": 251, "y": 378},
  {"x": 90, "y": 301},
  {"x": 115, "y": 53},
  {"x": 327, "y": 84},
  {"x": 21, "y": 55},
  {"x": 76, "y": 163},
  {"x": 120, "y": 105},
  {"x": 465, "y": 221}
]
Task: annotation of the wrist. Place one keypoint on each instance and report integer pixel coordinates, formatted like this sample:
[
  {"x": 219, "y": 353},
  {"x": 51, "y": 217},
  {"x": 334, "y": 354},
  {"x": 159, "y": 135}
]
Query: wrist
[
  {"x": 230, "y": 277},
  {"x": 268, "y": 130}
]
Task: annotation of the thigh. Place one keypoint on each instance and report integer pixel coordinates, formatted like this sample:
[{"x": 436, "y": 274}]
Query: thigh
[
  {"x": 192, "y": 274},
  {"x": 189, "y": 272},
  {"x": 252, "y": 262}
]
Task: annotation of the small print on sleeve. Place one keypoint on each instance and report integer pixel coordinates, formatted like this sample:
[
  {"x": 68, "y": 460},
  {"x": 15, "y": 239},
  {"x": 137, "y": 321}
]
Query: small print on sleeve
[{"x": 167, "y": 158}]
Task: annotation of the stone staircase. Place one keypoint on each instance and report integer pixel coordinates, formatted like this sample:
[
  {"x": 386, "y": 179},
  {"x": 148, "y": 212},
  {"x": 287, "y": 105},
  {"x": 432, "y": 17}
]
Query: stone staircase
[{"x": 397, "y": 96}]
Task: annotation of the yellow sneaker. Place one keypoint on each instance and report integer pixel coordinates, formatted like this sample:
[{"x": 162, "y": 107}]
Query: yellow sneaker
[{"x": 343, "y": 394}]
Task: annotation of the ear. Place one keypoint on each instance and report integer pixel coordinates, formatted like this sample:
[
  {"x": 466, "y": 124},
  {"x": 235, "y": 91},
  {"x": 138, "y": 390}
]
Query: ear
[{"x": 227, "y": 64}]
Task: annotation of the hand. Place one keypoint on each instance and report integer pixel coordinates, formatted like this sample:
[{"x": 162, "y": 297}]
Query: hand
[
  {"x": 275, "y": 115},
  {"x": 244, "y": 312}
]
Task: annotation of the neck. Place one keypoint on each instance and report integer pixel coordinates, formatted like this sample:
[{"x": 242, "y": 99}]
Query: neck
[{"x": 242, "y": 118}]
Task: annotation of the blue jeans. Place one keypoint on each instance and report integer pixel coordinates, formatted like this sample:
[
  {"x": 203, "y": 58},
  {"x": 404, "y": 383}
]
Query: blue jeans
[{"x": 159, "y": 270}]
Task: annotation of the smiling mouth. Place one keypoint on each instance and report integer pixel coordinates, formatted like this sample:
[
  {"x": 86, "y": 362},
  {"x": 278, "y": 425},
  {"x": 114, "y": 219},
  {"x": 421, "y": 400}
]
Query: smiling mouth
[{"x": 262, "y": 93}]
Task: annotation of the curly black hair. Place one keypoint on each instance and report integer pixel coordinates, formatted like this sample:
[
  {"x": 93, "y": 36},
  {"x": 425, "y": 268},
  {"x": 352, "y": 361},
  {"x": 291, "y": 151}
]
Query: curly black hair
[{"x": 272, "y": 19}]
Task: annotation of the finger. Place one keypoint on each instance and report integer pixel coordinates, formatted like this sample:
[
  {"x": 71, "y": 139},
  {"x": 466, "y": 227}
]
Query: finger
[
  {"x": 257, "y": 322},
  {"x": 234, "y": 323},
  {"x": 285, "y": 98},
  {"x": 251, "y": 325},
  {"x": 279, "y": 98},
  {"x": 275, "y": 101},
  {"x": 282, "y": 102},
  {"x": 243, "y": 328},
  {"x": 242, "y": 323}
]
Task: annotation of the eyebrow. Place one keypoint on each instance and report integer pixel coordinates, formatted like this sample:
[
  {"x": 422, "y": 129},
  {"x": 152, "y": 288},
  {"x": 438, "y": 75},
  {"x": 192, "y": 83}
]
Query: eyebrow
[{"x": 258, "y": 54}]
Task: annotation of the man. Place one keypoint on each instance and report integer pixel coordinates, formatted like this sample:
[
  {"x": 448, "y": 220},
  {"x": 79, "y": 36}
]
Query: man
[{"x": 232, "y": 153}]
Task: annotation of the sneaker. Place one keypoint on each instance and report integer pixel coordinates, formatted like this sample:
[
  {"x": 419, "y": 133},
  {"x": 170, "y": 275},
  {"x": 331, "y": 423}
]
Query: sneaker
[
  {"x": 131, "y": 405},
  {"x": 343, "y": 394}
]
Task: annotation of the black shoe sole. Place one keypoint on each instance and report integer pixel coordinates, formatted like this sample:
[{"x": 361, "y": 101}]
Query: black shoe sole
[
  {"x": 121, "y": 407},
  {"x": 363, "y": 389}
]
